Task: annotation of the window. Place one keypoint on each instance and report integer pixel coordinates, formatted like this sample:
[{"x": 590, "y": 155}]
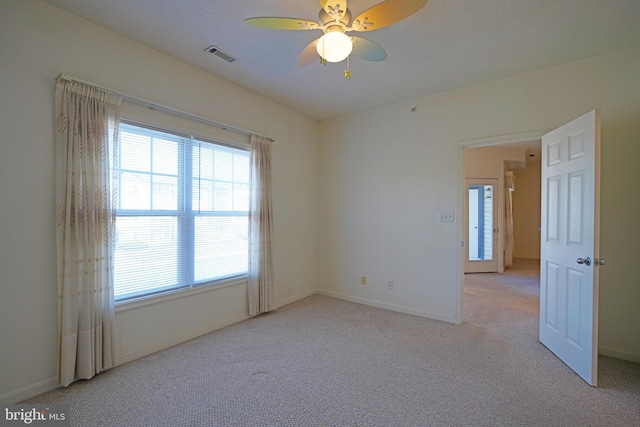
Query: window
[{"x": 182, "y": 217}]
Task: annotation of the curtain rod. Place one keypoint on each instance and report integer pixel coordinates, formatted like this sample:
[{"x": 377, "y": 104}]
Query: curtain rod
[{"x": 155, "y": 106}]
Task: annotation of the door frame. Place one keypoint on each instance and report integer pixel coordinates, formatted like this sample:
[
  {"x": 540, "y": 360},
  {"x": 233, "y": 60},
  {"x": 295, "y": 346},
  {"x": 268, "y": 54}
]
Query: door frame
[{"x": 462, "y": 145}]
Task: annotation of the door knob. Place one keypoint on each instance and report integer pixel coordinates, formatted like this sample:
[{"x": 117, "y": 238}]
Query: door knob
[{"x": 586, "y": 261}]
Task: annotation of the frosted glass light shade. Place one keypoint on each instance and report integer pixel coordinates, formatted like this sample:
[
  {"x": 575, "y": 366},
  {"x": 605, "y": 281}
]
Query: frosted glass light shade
[{"x": 334, "y": 46}]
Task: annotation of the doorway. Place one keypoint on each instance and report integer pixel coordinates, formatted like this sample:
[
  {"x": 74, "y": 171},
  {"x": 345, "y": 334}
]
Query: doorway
[{"x": 530, "y": 140}]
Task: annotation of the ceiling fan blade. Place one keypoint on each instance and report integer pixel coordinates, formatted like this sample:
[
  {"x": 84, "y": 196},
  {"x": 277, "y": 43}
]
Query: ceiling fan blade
[
  {"x": 368, "y": 50},
  {"x": 334, "y": 8},
  {"x": 308, "y": 55},
  {"x": 386, "y": 13},
  {"x": 282, "y": 23}
]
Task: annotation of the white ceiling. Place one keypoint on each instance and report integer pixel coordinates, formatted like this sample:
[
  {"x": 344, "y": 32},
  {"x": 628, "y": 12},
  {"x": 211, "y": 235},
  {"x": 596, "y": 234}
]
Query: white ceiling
[{"x": 446, "y": 45}]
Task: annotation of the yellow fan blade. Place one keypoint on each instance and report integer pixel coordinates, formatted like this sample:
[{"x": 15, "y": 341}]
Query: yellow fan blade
[
  {"x": 386, "y": 13},
  {"x": 282, "y": 23},
  {"x": 367, "y": 50},
  {"x": 324, "y": 18},
  {"x": 334, "y": 8},
  {"x": 308, "y": 55}
]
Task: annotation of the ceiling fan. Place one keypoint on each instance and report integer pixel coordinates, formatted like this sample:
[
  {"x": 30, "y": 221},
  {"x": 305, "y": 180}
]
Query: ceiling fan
[{"x": 335, "y": 20}]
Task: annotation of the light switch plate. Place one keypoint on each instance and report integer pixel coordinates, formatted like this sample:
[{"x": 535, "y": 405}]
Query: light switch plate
[{"x": 446, "y": 216}]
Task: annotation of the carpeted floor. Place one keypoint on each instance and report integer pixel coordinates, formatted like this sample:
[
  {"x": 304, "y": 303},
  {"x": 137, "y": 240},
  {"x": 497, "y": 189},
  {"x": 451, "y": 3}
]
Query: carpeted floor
[{"x": 327, "y": 362}]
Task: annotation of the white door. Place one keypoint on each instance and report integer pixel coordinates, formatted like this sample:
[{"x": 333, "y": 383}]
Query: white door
[
  {"x": 481, "y": 225},
  {"x": 569, "y": 244}
]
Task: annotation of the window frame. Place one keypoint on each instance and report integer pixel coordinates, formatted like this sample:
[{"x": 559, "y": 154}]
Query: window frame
[{"x": 184, "y": 213}]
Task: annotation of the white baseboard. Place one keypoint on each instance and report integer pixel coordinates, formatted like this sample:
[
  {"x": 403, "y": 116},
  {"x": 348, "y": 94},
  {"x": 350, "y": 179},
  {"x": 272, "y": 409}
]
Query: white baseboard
[
  {"x": 125, "y": 358},
  {"x": 387, "y": 306},
  {"x": 619, "y": 354},
  {"x": 295, "y": 298},
  {"x": 29, "y": 391}
]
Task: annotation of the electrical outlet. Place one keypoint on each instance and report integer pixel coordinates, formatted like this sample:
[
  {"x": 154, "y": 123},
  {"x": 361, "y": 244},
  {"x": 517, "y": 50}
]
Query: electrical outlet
[
  {"x": 391, "y": 284},
  {"x": 363, "y": 280},
  {"x": 445, "y": 216}
]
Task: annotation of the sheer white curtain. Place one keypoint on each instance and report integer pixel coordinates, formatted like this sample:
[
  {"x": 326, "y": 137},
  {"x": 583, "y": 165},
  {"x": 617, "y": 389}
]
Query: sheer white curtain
[
  {"x": 262, "y": 297},
  {"x": 86, "y": 128},
  {"x": 509, "y": 184}
]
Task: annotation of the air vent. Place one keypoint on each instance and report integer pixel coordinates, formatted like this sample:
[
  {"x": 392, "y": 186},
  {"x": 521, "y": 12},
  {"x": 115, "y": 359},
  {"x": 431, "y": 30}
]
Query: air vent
[{"x": 220, "y": 54}]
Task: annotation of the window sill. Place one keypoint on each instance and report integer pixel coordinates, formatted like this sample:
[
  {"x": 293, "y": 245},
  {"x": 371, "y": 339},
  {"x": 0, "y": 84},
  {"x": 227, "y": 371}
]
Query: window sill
[{"x": 178, "y": 293}]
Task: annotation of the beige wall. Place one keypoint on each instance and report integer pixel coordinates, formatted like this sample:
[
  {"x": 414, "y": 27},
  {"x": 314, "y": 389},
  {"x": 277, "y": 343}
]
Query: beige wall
[
  {"x": 37, "y": 42},
  {"x": 385, "y": 173},
  {"x": 483, "y": 162},
  {"x": 526, "y": 211}
]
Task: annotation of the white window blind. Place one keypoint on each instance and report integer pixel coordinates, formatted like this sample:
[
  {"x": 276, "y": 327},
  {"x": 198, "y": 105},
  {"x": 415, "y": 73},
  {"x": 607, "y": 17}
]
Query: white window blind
[{"x": 182, "y": 216}]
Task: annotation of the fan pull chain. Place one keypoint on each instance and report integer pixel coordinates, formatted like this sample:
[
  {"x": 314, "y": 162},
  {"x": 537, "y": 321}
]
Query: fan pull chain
[
  {"x": 323, "y": 61},
  {"x": 347, "y": 72}
]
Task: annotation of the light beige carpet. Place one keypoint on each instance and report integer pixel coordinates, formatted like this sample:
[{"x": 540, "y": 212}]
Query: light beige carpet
[{"x": 327, "y": 362}]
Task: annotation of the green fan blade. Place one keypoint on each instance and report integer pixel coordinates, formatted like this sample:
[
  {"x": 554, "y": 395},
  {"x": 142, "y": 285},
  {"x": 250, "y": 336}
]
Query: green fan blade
[
  {"x": 282, "y": 23},
  {"x": 367, "y": 50}
]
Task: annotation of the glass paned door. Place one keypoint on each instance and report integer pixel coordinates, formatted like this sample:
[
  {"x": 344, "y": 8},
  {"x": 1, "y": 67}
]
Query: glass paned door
[{"x": 481, "y": 225}]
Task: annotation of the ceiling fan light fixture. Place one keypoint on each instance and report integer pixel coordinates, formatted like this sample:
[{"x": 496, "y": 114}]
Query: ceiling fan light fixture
[{"x": 334, "y": 46}]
